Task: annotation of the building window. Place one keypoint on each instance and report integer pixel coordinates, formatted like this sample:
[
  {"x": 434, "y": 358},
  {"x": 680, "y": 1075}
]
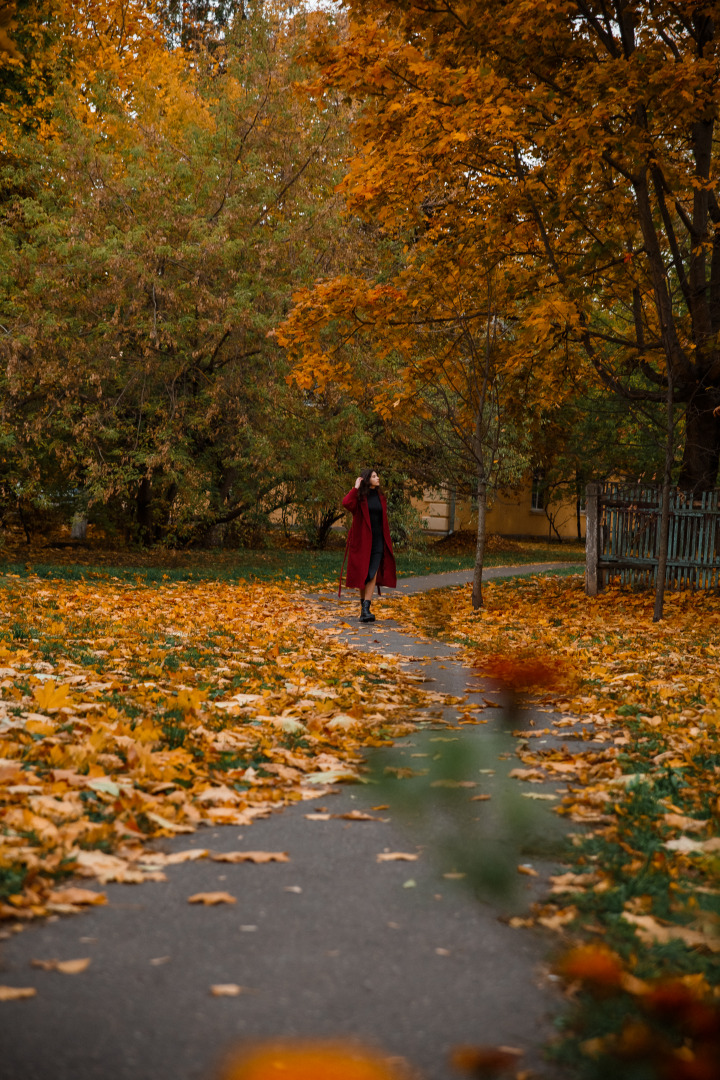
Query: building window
[{"x": 537, "y": 496}]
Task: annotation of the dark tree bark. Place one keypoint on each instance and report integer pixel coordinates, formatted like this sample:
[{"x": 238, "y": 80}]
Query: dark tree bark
[
  {"x": 701, "y": 453},
  {"x": 665, "y": 512},
  {"x": 143, "y": 509},
  {"x": 477, "y": 596}
]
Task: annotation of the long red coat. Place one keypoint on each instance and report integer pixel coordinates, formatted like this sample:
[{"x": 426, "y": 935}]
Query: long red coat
[{"x": 359, "y": 545}]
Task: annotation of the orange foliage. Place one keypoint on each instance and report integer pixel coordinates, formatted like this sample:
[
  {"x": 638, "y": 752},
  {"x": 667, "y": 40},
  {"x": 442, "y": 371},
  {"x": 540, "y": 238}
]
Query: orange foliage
[
  {"x": 310, "y": 1061},
  {"x": 520, "y": 673},
  {"x": 485, "y": 1062},
  {"x": 597, "y": 966},
  {"x": 582, "y": 177}
]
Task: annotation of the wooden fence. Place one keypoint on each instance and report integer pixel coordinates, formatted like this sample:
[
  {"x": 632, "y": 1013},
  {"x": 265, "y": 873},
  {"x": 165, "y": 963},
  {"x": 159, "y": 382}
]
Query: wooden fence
[{"x": 623, "y": 536}]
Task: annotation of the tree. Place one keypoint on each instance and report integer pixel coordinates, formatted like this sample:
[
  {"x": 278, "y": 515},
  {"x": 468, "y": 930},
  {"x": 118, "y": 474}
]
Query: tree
[
  {"x": 576, "y": 139},
  {"x": 168, "y": 209},
  {"x": 593, "y": 437},
  {"x": 428, "y": 350}
]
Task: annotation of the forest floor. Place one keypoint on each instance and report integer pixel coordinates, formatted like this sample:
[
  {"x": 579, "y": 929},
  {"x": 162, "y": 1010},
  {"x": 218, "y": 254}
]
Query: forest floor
[{"x": 135, "y": 711}]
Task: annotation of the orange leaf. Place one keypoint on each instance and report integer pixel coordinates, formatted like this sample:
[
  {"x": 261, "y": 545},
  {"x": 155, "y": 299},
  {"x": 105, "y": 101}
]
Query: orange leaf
[
  {"x": 251, "y": 856},
  {"x": 211, "y": 898}
]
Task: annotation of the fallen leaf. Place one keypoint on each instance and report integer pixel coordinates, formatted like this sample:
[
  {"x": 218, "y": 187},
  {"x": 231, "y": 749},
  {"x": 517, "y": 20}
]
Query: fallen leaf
[
  {"x": 572, "y": 882},
  {"x": 226, "y": 990},
  {"x": 65, "y": 967},
  {"x": 190, "y": 855},
  {"x": 218, "y": 794},
  {"x": 16, "y": 993},
  {"x": 75, "y": 895},
  {"x": 687, "y": 824},
  {"x": 106, "y": 867},
  {"x": 559, "y": 919},
  {"x": 330, "y": 776},
  {"x": 396, "y": 856},
  {"x": 50, "y": 696},
  {"x": 690, "y": 847},
  {"x": 342, "y": 722},
  {"x": 164, "y": 823},
  {"x": 141, "y": 742},
  {"x": 73, "y": 967},
  {"x": 251, "y": 856},
  {"x": 211, "y": 898},
  {"x": 651, "y": 931}
]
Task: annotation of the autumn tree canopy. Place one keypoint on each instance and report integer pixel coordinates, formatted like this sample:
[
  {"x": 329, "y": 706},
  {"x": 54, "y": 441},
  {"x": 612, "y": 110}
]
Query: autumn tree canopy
[
  {"x": 572, "y": 144},
  {"x": 163, "y": 194}
]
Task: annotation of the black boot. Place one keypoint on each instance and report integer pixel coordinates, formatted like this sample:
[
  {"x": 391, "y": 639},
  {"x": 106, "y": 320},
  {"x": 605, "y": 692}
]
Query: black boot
[{"x": 367, "y": 615}]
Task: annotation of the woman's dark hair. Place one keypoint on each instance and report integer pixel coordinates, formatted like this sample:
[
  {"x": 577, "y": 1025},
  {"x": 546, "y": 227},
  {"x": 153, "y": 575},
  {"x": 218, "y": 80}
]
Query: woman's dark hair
[{"x": 365, "y": 485}]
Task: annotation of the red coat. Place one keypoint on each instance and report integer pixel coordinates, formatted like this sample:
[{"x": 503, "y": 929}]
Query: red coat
[{"x": 359, "y": 545}]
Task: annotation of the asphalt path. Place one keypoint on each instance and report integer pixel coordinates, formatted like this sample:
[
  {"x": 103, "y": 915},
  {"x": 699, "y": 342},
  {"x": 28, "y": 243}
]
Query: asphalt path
[
  {"x": 332, "y": 944},
  {"x": 490, "y": 573}
]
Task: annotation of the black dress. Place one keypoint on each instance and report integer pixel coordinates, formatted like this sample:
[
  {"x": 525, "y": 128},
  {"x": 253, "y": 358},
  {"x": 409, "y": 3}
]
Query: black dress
[{"x": 376, "y": 523}]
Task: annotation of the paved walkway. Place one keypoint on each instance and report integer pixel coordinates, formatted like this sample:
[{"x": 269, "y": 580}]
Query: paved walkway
[
  {"x": 330, "y": 944},
  {"x": 490, "y": 573}
]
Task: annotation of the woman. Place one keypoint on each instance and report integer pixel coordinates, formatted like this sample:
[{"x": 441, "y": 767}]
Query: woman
[{"x": 368, "y": 551}]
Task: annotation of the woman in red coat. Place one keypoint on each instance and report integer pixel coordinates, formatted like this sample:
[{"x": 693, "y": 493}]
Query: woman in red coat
[{"x": 369, "y": 549}]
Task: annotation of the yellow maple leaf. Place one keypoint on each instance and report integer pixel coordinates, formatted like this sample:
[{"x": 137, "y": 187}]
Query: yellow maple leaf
[{"x": 50, "y": 696}]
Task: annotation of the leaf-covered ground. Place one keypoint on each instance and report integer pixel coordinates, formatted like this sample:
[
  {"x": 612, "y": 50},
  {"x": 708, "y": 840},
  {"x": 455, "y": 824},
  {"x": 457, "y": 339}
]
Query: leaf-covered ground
[
  {"x": 641, "y": 759},
  {"x": 132, "y": 711}
]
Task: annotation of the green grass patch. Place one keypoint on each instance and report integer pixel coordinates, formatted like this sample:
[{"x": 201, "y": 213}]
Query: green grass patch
[{"x": 275, "y": 565}]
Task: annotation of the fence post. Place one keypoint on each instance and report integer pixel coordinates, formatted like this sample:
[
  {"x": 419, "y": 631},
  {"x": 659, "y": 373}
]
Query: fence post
[{"x": 592, "y": 536}]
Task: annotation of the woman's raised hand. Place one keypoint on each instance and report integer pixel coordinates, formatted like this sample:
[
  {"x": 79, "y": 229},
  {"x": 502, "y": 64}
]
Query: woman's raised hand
[{"x": 358, "y": 482}]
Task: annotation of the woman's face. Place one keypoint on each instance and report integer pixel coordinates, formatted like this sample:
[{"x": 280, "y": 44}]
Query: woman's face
[{"x": 374, "y": 480}]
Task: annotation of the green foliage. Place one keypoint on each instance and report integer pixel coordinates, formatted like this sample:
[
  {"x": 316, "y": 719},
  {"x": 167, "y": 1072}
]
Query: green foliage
[
  {"x": 479, "y": 843},
  {"x": 147, "y": 254},
  {"x": 407, "y": 528}
]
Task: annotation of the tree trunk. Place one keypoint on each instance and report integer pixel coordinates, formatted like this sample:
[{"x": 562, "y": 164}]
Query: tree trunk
[
  {"x": 327, "y": 520},
  {"x": 665, "y": 511},
  {"x": 143, "y": 509},
  {"x": 23, "y": 522},
  {"x": 214, "y": 536},
  {"x": 477, "y": 597},
  {"x": 702, "y": 444},
  {"x": 78, "y": 527}
]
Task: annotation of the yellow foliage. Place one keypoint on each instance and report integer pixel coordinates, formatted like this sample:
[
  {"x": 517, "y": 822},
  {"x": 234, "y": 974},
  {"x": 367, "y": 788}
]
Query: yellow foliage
[
  {"x": 237, "y": 717},
  {"x": 50, "y": 696}
]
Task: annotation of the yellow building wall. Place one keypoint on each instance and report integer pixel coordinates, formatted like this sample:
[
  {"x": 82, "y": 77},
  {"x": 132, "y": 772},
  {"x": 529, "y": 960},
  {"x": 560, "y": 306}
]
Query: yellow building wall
[
  {"x": 434, "y": 508},
  {"x": 511, "y": 514}
]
